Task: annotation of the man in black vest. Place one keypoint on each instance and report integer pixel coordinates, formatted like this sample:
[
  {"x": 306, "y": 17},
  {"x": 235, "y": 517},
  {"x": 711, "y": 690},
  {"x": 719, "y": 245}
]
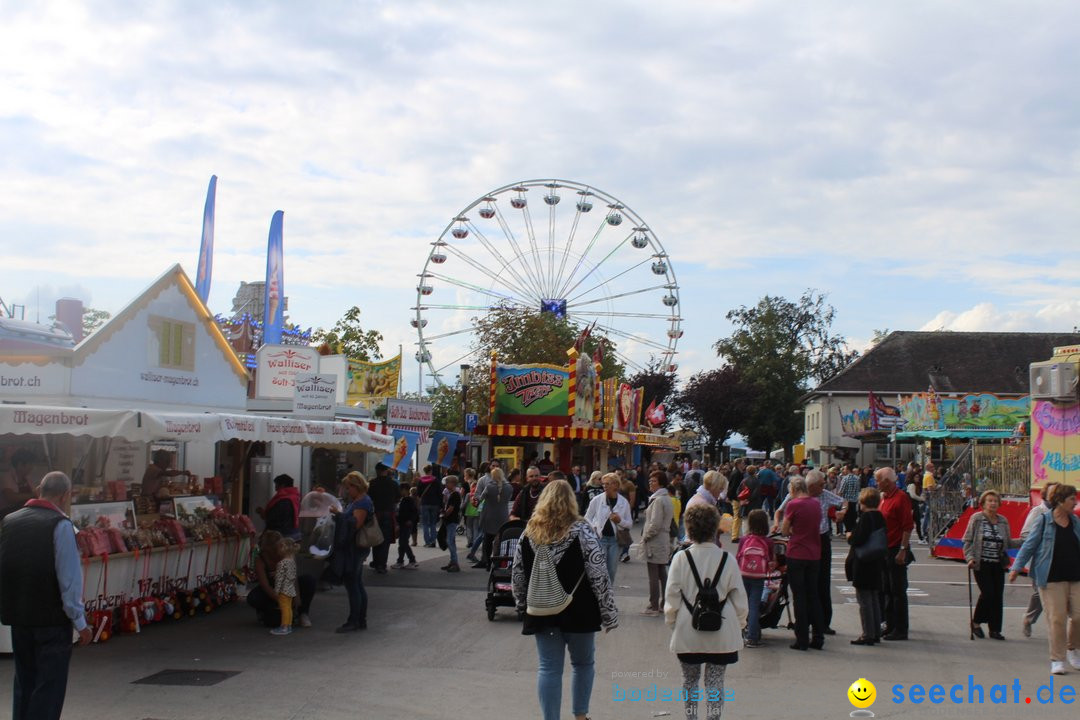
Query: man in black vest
[
  {"x": 41, "y": 598},
  {"x": 385, "y": 495}
]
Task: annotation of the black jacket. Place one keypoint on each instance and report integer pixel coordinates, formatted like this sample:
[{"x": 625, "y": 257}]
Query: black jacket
[{"x": 864, "y": 575}]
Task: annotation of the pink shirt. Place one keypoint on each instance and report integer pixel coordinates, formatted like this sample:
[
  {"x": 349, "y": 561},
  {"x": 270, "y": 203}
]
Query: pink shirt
[{"x": 805, "y": 517}]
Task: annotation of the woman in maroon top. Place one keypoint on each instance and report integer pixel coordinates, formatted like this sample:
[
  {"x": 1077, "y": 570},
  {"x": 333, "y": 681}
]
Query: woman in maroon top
[{"x": 802, "y": 525}]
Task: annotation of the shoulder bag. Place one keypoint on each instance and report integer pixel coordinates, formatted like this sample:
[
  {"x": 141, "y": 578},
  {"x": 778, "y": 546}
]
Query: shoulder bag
[{"x": 368, "y": 535}]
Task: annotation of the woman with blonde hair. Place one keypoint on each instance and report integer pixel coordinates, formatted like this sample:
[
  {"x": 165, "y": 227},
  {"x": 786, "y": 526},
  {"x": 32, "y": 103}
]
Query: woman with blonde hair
[
  {"x": 1052, "y": 553},
  {"x": 356, "y": 512},
  {"x": 561, "y": 585}
]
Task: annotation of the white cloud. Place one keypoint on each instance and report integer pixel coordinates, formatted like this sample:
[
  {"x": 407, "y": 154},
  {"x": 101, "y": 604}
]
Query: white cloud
[{"x": 986, "y": 317}]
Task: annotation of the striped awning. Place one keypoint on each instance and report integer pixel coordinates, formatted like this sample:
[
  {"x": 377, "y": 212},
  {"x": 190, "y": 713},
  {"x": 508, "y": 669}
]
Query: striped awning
[{"x": 554, "y": 432}]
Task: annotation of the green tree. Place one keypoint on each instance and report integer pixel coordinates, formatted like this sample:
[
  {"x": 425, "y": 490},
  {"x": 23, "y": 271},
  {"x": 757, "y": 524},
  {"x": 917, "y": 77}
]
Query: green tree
[
  {"x": 657, "y": 383},
  {"x": 350, "y": 339},
  {"x": 711, "y": 403},
  {"x": 521, "y": 336},
  {"x": 781, "y": 349},
  {"x": 92, "y": 319}
]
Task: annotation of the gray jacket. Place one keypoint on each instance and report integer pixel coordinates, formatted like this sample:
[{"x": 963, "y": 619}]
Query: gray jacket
[
  {"x": 973, "y": 538},
  {"x": 656, "y": 535}
]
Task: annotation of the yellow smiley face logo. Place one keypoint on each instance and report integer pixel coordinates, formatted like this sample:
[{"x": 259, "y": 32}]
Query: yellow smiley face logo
[{"x": 862, "y": 693}]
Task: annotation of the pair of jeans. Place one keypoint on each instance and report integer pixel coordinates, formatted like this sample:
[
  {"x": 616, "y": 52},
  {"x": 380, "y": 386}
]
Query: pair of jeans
[
  {"x": 477, "y": 541},
  {"x": 471, "y": 523},
  {"x": 451, "y": 541},
  {"x": 551, "y": 647},
  {"x": 991, "y": 603},
  {"x": 803, "y": 580},
  {"x": 754, "y": 588},
  {"x": 610, "y": 547},
  {"x": 895, "y": 594},
  {"x": 429, "y": 518},
  {"x": 42, "y": 656},
  {"x": 354, "y": 586},
  {"x": 403, "y": 548}
]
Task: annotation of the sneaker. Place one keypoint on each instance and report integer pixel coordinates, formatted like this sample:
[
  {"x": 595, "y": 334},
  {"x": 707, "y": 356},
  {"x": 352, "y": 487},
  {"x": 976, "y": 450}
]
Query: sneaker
[
  {"x": 453, "y": 568},
  {"x": 398, "y": 565},
  {"x": 283, "y": 630},
  {"x": 649, "y": 612},
  {"x": 625, "y": 558},
  {"x": 413, "y": 566},
  {"x": 1056, "y": 667},
  {"x": 472, "y": 558},
  {"x": 305, "y": 621},
  {"x": 753, "y": 644},
  {"x": 1074, "y": 658}
]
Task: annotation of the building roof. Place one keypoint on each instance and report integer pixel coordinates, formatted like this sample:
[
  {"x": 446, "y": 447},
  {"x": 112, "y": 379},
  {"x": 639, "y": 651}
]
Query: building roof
[{"x": 906, "y": 361}]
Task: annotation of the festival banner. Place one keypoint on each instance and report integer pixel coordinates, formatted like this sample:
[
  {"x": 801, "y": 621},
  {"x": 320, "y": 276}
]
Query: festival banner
[
  {"x": 443, "y": 445},
  {"x": 368, "y": 383},
  {"x": 405, "y": 442},
  {"x": 628, "y": 408},
  {"x": 274, "y": 297},
  {"x": 533, "y": 390},
  {"x": 206, "y": 247},
  {"x": 585, "y": 391},
  {"x": 976, "y": 411}
]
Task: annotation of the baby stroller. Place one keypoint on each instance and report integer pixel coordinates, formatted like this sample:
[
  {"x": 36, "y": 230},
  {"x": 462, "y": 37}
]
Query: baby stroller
[
  {"x": 776, "y": 600},
  {"x": 500, "y": 591}
]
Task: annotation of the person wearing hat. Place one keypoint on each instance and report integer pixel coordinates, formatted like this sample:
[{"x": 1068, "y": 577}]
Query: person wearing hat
[
  {"x": 282, "y": 513},
  {"x": 384, "y": 493}
]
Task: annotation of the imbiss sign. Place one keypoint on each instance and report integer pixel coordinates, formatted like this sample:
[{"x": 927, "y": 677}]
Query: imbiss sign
[
  {"x": 278, "y": 366},
  {"x": 314, "y": 395}
]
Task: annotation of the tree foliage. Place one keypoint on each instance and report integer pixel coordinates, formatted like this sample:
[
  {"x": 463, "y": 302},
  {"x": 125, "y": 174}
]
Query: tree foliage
[
  {"x": 92, "y": 319},
  {"x": 658, "y": 385},
  {"x": 520, "y": 336},
  {"x": 712, "y": 403},
  {"x": 349, "y": 338},
  {"x": 781, "y": 349}
]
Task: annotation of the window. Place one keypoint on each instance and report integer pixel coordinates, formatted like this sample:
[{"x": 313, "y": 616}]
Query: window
[{"x": 172, "y": 343}]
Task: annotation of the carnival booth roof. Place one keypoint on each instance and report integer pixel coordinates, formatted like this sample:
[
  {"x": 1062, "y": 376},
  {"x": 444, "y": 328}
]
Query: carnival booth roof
[{"x": 143, "y": 426}]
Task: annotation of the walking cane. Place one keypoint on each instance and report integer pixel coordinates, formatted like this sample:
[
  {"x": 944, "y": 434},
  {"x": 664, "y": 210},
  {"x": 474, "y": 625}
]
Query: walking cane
[{"x": 971, "y": 609}]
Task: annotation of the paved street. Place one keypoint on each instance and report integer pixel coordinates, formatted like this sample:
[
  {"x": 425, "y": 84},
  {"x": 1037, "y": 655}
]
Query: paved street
[{"x": 431, "y": 653}]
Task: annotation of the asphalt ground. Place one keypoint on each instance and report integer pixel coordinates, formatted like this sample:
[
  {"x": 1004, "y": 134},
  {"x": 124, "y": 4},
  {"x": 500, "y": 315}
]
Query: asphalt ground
[{"x": 430, "y": 652}]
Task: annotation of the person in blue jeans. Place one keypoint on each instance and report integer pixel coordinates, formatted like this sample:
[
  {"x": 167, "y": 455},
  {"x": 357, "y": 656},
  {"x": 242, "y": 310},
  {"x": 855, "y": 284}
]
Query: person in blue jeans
[
  {"x": 355, "y": 514},
  {"x": 451, "y": 515},
  {"x": 431, "y": 502},
  {"x": 756, "y": 562},
  {"x": 557, "y": 538},
  {"x": 607, "y": 513}
]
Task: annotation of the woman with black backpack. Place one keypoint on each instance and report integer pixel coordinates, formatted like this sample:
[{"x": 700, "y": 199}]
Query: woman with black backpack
[
  {"x": 706, "y": 607},
  {"x": 561, "y": 585}
]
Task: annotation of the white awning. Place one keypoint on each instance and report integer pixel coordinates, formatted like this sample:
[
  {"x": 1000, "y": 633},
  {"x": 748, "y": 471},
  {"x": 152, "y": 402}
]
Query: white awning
[{"x": 136, "y": 426}]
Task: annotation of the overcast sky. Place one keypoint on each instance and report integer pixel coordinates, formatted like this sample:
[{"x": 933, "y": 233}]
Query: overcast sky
[{"x": 917, "y": 161}]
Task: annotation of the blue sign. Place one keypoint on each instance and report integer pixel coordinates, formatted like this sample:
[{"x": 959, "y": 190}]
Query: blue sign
[{"x": 471, "y": 421}]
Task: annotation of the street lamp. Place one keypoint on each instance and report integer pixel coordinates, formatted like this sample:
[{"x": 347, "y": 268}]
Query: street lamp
[{"x": 465, "y": 398}]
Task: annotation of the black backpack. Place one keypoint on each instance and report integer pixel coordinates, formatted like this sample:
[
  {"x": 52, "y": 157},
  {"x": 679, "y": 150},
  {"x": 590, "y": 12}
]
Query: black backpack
[{"x": 707, "y": 612}]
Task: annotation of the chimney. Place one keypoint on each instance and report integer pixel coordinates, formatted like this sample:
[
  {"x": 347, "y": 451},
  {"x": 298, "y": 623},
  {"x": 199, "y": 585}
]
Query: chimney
[{"x": 69, "y": 313}]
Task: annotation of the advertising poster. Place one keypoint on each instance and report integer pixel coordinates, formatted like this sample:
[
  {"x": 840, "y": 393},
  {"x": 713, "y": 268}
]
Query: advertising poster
[
  {"x": 628, "y": 408},
  {"x": 369, "y": 383},
  {"x": 405, "y": 442},
  {"x": 585, "y": 392},
  {"x": 531, "y": 390},
  {"x": 442, "y": 449}
]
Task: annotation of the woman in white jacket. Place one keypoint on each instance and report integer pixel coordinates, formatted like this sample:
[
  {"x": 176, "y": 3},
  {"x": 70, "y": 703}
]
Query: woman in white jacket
[
  {"x": 694, "y": 648},
  {"x": 608, "y": 512}
]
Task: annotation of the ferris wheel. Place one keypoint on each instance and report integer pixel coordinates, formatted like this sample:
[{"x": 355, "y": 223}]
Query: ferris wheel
[{"x": 552, "y": 246}]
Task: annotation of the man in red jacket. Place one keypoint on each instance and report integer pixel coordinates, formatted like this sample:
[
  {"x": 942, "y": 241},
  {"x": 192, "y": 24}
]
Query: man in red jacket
[{"x": 899, "y": 522}]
